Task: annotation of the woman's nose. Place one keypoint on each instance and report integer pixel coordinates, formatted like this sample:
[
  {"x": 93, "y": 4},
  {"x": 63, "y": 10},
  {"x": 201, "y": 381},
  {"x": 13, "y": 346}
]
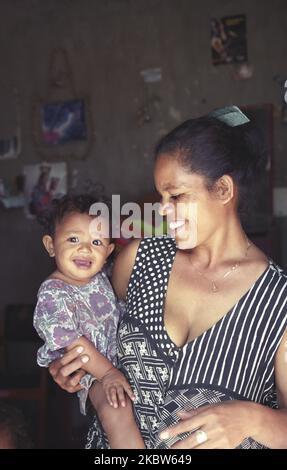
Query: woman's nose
[{"x": 166, "y": 208}]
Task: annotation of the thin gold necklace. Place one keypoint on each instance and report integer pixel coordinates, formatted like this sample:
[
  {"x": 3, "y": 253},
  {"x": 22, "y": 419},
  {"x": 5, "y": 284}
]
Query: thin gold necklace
[{"x": 234, "y": 267}]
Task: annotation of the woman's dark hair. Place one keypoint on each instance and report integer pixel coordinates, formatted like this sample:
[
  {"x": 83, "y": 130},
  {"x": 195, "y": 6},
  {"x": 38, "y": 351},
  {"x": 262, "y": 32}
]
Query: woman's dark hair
[
  {"x": 14, "y": 426},
  {"x": 68, "y": 204},
  {"x": 211, "y": 148}
]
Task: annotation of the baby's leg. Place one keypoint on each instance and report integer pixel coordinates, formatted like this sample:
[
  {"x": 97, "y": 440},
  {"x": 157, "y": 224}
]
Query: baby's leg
[{"x": 118, "y": 423}]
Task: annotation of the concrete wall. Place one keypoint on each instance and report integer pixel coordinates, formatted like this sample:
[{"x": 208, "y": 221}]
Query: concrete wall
[{"x": 108, "y": 43}]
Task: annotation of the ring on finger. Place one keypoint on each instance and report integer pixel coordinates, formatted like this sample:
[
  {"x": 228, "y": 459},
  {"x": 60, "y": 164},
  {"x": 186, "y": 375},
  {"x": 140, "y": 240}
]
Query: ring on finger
[{"x": 200, "y": 436}]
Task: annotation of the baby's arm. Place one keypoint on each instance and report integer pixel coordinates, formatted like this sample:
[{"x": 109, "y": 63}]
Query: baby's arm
[
  {"x": 113, "y": 381},
  {"x": 119, "y": 424}
]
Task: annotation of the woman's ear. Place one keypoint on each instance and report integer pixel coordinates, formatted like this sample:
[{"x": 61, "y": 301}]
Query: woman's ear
[
  {"x": 49, "y": 245},
  {"x": 224, "y": 189}
]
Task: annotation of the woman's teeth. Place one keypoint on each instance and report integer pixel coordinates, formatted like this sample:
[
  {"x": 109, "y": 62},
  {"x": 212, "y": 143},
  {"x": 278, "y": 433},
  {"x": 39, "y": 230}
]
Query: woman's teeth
[{"x": 176, "y": 224}]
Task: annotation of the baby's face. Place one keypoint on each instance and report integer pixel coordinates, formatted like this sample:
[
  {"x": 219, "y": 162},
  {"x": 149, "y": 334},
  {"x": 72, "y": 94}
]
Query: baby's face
[{"x": 81, "y": 247}]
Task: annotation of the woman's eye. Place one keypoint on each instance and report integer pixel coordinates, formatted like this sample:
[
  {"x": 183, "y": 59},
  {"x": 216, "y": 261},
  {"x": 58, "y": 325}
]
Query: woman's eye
[
  {"x": 97, "y": 242},
  {"x": 73, "y": 239},
  {"x": 175, "y": 197}
]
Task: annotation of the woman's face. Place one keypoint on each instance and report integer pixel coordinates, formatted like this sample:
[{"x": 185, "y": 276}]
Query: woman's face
[{"x": 193, "y": 213}]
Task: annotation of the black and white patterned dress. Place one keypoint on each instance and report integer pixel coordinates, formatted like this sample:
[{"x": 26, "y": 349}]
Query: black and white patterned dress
[{"x": 234, "y": 359}]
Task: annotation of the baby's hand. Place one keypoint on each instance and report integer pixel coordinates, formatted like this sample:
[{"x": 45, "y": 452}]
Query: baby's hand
[{"x": 115, "y": 385}]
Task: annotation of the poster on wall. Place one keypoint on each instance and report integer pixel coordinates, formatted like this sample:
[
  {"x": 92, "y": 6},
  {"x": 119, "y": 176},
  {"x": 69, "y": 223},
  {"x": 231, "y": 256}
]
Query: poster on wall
[
  {"x": 228, "y": 40},
  {"x": 63, "y": 122},
  {"x": 43, "y": 182},
  {"x": 11, "y": 192},
  {"x": 10, "y": 147}
]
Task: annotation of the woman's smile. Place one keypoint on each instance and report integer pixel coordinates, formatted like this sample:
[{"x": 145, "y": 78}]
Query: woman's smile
[{"x": 176, "y": 224}]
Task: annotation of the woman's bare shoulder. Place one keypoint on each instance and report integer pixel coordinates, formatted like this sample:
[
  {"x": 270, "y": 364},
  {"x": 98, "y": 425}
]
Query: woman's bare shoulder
[{"x": 123, "y": 267}]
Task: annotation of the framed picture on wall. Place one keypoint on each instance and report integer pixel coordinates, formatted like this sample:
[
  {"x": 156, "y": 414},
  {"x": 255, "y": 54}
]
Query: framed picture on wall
[
  {"x": 63, "y": 122},
  {"x": 42, "y": 183},
  {"x": 62, "y": 119},
  {"x": 62, "y": 129},
  {"x": 10, "y": 147},
  {"x": 228, "y": 40}
]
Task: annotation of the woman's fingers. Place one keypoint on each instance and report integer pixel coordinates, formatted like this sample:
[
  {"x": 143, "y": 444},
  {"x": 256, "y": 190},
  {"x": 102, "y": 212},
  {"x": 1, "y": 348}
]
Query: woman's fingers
[
  {"x": 69, "y": 383},
  {"x": 54, "y": 367},
  {"x": 71, "y": 363},
  {"x": 76, "y": 377},
  {"x": 71, "y": 355},
  {"x": 186, "y": 414},
  {"x": 74, "y": 365},
  {"x": 190, "y": 421},
  {"x": 186, "y": 425},
  {"x": 71, "y": 388},
  {"x": 199, "y": 439}
]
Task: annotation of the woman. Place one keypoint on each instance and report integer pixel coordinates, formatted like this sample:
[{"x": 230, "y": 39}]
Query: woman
[{"x": 203, "y": 340}]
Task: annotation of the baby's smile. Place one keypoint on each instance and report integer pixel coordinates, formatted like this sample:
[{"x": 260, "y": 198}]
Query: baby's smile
[{"x": 82, "y": 263}]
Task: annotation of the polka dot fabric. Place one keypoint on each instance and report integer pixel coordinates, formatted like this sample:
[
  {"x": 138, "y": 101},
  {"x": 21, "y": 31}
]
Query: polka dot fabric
[{"x": 151, "y": 272}]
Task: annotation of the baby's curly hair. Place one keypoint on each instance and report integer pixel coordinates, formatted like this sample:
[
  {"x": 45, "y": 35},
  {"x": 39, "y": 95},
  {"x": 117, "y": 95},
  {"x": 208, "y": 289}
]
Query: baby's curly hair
[
  {"x": 68, "y": 204},
  {"x": 15, "y": 427}
]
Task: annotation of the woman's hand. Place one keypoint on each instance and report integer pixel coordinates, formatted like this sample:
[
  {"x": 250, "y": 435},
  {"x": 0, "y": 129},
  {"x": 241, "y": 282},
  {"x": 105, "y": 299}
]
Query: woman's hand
[
  {"x": 67, "y": 371},
  {"x": 220, "y": 426},
  {"x": 115, "y": 385}
]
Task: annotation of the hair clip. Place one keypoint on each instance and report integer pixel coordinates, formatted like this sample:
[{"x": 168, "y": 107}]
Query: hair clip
[{"x": 230, "y": 115}]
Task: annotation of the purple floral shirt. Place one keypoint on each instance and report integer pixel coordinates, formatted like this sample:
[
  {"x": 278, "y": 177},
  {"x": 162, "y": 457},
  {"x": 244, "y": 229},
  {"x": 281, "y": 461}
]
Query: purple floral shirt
[{"x": 65, "y": 312}]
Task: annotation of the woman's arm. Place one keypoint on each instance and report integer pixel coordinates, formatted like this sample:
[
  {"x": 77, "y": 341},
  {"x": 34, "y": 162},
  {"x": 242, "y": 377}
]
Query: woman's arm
[
  {"x": 225, "y": 425},
  {"x": 123, "y": 267},
  {"x": 273, "y": 429}
]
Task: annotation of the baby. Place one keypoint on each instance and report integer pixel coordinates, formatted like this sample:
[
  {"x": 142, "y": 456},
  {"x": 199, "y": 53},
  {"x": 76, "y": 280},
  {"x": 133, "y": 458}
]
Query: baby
[{"x": 77, "y": 307}]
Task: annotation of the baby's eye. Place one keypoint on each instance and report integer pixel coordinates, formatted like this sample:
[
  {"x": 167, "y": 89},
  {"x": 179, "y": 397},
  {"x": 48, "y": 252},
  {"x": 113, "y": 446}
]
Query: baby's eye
[
  {"x": 73, "y": 239},
  {"x": 97, "y": 242}
]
